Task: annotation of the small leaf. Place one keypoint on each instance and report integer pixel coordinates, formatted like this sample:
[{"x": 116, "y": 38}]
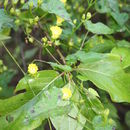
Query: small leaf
[
  {"x": 97, "y": 28},
  {"x": 5, "y": 20},
  {"x": 93, "y": 92},
  {"x": 65, "y": 68}
]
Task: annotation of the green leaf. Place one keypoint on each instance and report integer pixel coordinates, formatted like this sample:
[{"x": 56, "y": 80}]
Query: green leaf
[
  {"x": 5, "y": 20},
  {"x": 73, "y": 121},
  {"x": 5, "y": 79},
  {"x": 99, "y": 124},
  {"x": 99, "y": 44},
  {"x": 106, "y": 6},
  {"x": 65, "y": 68},
  {"x": 105, "y": 71},
  {"x": 120, "y": 18},
  {"x": 93, "y": 92},
  {"x": 52, "y": 6},
  {"x": 47, "y": 103},
  {"x": 123, "y": 43},
  {"x": 124, "y": 54},
  {"x": 29, "y": 84},
  {"x": 97, "y": 28},
  {"x": 127, "y": 118},
  {"x": 4, "y": 37}
]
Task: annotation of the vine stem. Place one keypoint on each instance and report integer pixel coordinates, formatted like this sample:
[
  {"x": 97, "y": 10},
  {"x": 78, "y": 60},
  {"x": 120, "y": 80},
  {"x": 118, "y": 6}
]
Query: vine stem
[{"x": 13, "y": 59}]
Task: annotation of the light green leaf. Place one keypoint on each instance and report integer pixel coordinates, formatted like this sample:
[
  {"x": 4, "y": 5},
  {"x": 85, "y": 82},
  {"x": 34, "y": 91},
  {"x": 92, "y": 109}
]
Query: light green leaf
[
  {"x": 65, "y": 68},
  {"x": 93, "y": 92},
  {"x": 31, "y": 85},
  {"x": 4, "y": 37},
  {"x": 97, "y": 28},
  {"x": 99, "y": 44},
  {"x": 73, "y": 121},
  {"x": 124, "y": 54},
  {"x": 47, "y": 103},
  {"x": 123, "y": 43},
  {"x": 105, "y": 71},
  {"x": 99, "y": 124}
]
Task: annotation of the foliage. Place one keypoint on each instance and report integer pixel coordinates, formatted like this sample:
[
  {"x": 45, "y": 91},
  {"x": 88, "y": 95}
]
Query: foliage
[{"x": 73, "y": 64}]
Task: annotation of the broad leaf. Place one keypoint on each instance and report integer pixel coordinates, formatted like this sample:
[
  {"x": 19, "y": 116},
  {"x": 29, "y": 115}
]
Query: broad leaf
[
  {"x": 98, "y": 44},
  {"x": 105, "y": 71},
  {"x": 31, "y": 86},
  {"x": 106, "y": 6},
  {"x": 97, "y": 28},
  {"x": 124, "y": 54},
  {"x": 73, "y": 121},
  {"x": 29, "y": 116},
  {"x": 120, "y": 18},
  {"x": 52, "y": 6}
]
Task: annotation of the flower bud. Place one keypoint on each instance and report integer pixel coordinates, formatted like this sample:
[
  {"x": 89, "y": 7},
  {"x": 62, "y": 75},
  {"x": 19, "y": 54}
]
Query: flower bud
[
  {"x": 89, "y": 15},
  {"x": 39, "y": 2},
  {"x": 12, "y": 10},
  {"x": 44, "y": 39},
  {"x": 83, "y": 17},
  {"x": 22, "y": 1},
  {"x": 36, "y": 19},
  {"x": 31, "y": 5},
  {"x": 57, "y": 43},
  {"x": 31, "y": 40},
  {"x": 17, "y": 22},
  {"x": 17, "y": 12},
  {"x": 75, "y": 21},
  {"x": 15, "y": 2}
]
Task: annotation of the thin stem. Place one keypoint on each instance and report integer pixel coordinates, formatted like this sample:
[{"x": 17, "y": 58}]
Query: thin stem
[
  {"x": 49, "y": 124},
  {"x": 37, "y": 60},
  {"x": 84, "y": 40},
  {"x": 52, "y": 56},
  {"x": 61, "y": 55},
  {"x": 13, "y": 58},
  {"x": 46, "y": 50}
]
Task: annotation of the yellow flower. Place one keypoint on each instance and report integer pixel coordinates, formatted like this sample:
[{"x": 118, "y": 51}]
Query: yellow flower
[
  {"x": 64, "y": 1},
  {"x": 32, "y": 68},
  {"x": 56, "y": 32},
  {"x": 59, "y": 20},
  {"x": 66, "y": 93}
]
